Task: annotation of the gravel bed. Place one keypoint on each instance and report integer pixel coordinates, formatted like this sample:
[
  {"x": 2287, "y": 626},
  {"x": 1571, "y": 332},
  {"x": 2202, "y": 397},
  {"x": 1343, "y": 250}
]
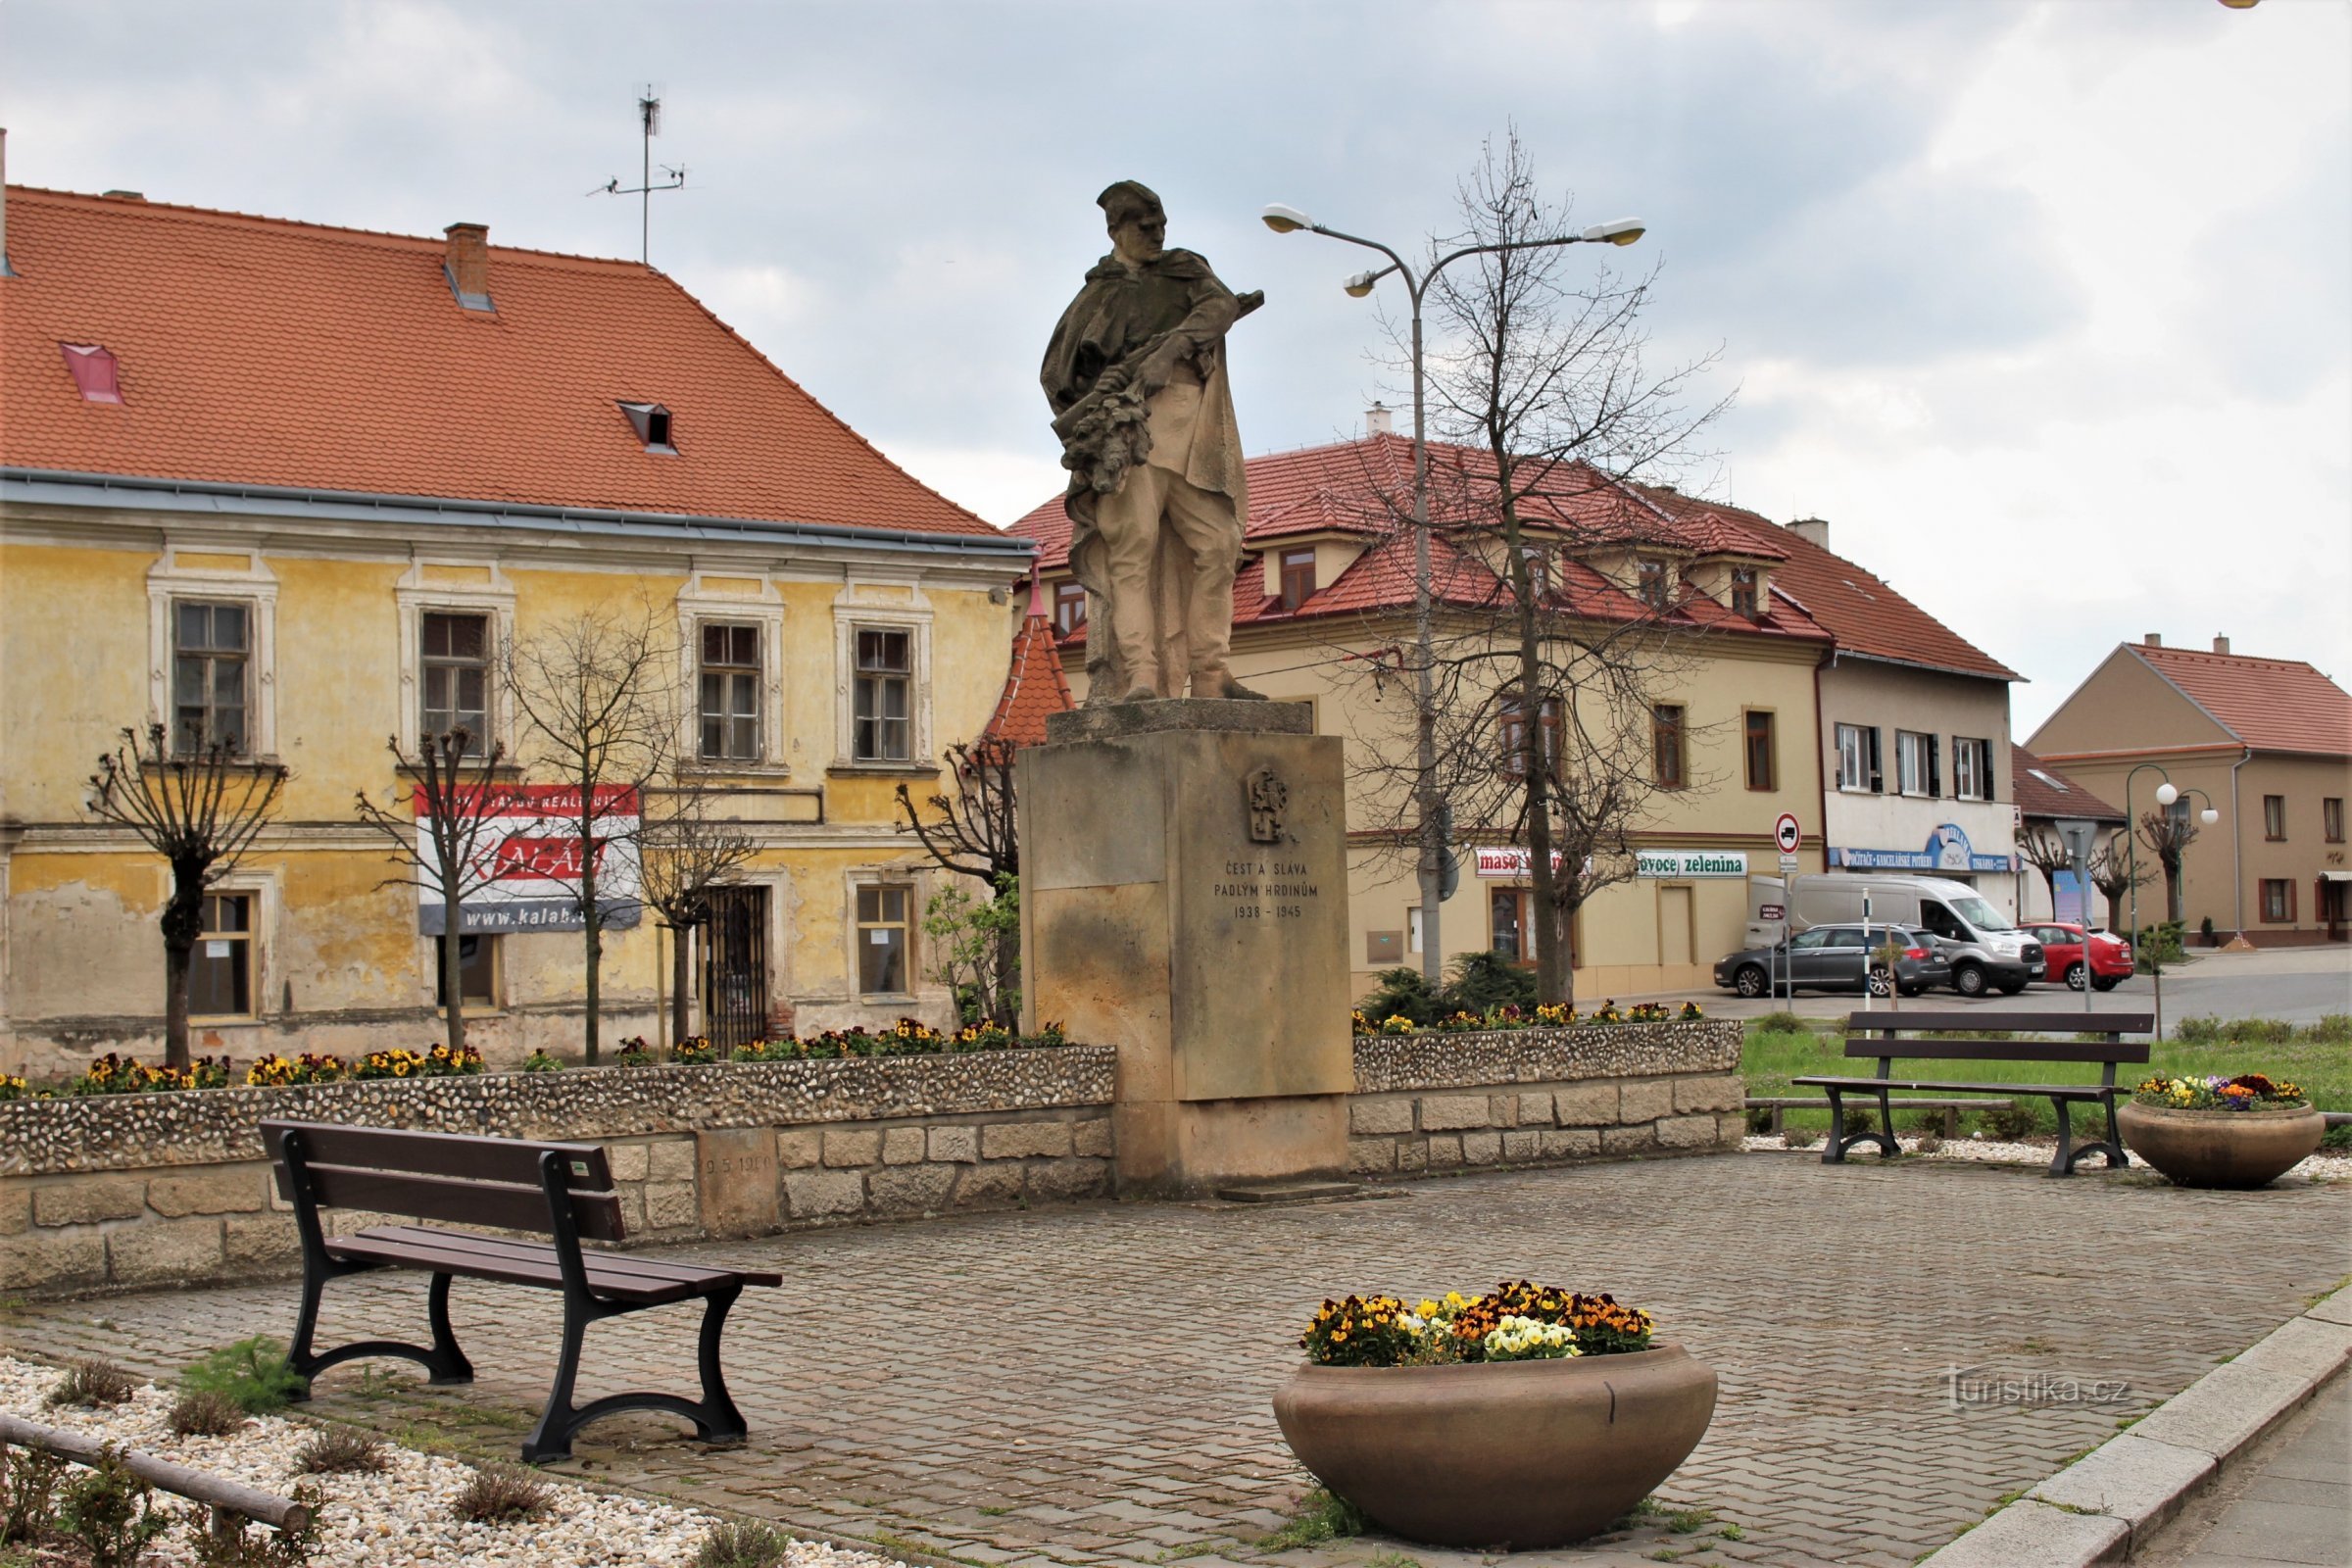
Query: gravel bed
[
  {"x": 2328, "y": 1165},
  {"x": 400, "y": 1518}
]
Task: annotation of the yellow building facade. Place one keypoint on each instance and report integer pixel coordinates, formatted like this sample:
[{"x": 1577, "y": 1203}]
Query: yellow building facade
[{"x": 834, "y": 628}]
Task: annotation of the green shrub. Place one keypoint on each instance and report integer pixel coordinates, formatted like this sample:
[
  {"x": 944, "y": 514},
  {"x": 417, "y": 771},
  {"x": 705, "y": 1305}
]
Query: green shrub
[
  {"x": 2010, "y": 1123},
  {"x": 111, "y": 1513},
  {"x": 2336, "y": 1028},
  {"x": 1485, "y": 980},
  {"x": 28, "y": 1480},
  {"x": 541, "y": 1061},
  {"x": 1778, "y": 1023},
  {"x": 251, "y": 1374},
  {"x": 1402, "y": 993},
  {"x": 735, "y": 1543}
]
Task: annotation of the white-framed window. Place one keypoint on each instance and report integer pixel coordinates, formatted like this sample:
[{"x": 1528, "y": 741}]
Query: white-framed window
[
  {"x": 223, "y": 977},
  {"x": 885, "y": 915},
  {"x": 1972, "y": 769},
  {"x": 229, "y": 974},
  {"x": 1914, "y": 764},
  {"x": 882, "y": 653},
  {"x": 731, "y": 637},
  {"x": 211, "y": 619},
  {"x": 457, "y": 620},
  {"x": 1858, "y": 759}
]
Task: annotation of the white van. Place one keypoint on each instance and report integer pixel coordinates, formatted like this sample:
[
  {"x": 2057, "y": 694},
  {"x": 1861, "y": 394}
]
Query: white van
[{"x": 1987, "y": 952}]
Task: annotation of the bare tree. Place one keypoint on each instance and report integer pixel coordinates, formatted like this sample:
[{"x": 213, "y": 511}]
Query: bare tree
[
  {"x": 2169, "y": 834},
  {"x": 599, "y": 693},
  {"x": 684, "y": 853},
  {"x": 2039, "y": 847},
  {"x": 1557, "y": 639},
  {"x": 2113, "y": 873},
  {"x": 445, "y": 841},
  {"x": 974, "y": 834},
  {"x": 199, "y": 809}
]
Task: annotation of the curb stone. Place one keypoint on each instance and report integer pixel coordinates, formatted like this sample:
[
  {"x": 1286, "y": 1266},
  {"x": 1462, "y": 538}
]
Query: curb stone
[{"x": 2107, "y": 1504}]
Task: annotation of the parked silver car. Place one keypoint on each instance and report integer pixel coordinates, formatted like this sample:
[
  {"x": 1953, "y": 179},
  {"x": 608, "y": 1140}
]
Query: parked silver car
[{"x": 1839, "y": 958}]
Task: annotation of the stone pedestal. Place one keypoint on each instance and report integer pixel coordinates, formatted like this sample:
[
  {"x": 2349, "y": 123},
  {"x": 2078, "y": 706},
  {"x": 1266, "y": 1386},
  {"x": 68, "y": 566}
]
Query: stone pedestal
[{"x": 1184, "y": 897}]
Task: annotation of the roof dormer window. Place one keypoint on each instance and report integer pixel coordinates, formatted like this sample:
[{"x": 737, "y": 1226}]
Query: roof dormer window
[
  {"x": 650, "y": 421},
  {"x": 94, "y": 373},
  {"x": 1744, "y": 598}
]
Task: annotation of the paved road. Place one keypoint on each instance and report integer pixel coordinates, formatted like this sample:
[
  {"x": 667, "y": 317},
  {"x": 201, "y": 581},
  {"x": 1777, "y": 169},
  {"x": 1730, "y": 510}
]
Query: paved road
[
  {"x": 1092, "y": 1385},
  {"x": 2298, "y": 984},
  {"x": 2289, "y": 1501}
]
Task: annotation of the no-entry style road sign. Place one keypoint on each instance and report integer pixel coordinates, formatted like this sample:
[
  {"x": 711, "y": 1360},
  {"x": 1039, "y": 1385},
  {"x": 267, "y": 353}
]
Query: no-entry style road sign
[{"x": 1786, "y": 833}]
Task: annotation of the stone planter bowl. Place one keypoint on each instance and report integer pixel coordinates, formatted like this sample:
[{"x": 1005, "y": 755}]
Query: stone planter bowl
[
  {"x": 1513, "y": 1454},
  {"x": 2221, "y": 1147}
]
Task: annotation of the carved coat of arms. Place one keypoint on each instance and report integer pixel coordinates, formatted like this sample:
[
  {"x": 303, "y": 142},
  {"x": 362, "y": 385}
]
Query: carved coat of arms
[{"x": 1268, "y": 797}]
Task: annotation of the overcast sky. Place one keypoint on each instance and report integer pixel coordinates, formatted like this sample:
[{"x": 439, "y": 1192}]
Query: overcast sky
[{"x": 2046, "y": 306}]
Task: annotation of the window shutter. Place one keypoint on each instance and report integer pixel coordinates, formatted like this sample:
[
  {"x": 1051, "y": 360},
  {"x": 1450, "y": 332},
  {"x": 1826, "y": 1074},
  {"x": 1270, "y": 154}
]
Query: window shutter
[{"x": 1934, "y": 767}]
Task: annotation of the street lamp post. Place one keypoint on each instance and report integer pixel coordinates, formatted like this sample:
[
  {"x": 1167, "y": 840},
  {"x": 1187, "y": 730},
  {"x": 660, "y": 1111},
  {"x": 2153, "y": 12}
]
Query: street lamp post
[
  {"x": 2166, "y": 794},
  {"x": 1430, "y": 831}
]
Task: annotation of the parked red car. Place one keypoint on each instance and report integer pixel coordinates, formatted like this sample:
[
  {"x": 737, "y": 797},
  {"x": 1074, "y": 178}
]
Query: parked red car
[{"x": 2061, "y": 956}]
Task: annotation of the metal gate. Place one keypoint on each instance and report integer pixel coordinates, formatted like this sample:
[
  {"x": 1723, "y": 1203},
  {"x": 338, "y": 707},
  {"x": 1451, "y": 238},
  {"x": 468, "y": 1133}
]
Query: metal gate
[{"x": 734, "y": 968}]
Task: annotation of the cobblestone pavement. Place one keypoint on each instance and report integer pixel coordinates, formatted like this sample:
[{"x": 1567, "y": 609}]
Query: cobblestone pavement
[{"x": 1091, "y": 1385}]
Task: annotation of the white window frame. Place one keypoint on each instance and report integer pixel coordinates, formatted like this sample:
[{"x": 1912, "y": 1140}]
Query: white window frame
[
  {"x": 416, "y": 595},
  {"x": 1972, "y": 769},
  {"x": 262, "y": 887},
  {"x": 852, "y": 613},
  {"x": 171, "y": 579},
  {"x": 1911, "y": 763},
  {"x": 917, "y": 884},
  {"x": 696, "y": 603},
  {"x": 1853, "y": 761}
]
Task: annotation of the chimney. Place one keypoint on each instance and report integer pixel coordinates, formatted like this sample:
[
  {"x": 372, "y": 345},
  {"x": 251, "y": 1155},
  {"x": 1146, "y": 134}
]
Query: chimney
[
  {"x": 2154, "y": 639},
  {"x": 467, "y": 264},
  {"x": 1812, "y": 530},
  {"x": 1379, "y": 419},
  {"x": 2221, "y": 645}
]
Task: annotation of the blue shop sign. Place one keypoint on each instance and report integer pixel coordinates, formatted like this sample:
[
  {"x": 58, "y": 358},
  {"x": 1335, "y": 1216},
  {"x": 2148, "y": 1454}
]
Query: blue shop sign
[{"x": 1948, "y": 850}]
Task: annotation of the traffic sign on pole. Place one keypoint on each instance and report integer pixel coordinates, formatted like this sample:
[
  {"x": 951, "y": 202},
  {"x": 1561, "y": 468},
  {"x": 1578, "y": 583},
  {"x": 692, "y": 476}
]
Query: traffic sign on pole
[
  {"x": 1786, "y": 833},
  {"x": 1787, "y": 865}
]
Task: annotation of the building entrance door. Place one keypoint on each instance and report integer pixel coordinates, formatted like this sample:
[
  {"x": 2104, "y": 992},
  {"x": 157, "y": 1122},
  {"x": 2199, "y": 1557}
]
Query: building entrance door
[{"x": 734, "y": 969}]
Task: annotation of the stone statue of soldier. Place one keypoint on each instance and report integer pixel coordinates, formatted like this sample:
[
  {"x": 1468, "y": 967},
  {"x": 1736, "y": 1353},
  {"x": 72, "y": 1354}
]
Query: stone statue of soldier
[{"x": 1136, "y": 377}]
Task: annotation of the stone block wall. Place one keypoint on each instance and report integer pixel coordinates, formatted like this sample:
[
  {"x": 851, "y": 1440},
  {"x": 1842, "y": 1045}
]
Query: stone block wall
[
  {"x": 131, "y": 1192},
  {"x": 1426, "y": 1102}
]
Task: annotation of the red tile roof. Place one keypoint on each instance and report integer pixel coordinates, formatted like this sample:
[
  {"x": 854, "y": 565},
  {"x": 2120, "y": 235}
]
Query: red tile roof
[
  {"x": 1034, "y": 689},
  {"x": 1364, "y": 487},
  {"x": 264, "y": 352},
  {"x": 2044, "y": 792},
  {"x": 2273, "y": 705},
  {"x": 1860, "y": 610}
]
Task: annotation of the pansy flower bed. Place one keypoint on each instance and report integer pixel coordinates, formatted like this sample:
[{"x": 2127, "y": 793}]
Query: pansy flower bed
[
  {"x": 1516, "y": 1321},
  {"x": 1547, "y": 1016},
  {"x": 2248, "y": 1091}
]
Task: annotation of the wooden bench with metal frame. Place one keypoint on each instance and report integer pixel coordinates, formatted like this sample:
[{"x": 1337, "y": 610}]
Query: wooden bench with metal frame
[
  {"x": 561, "y": 1191},
  {"x": 1888, "y": 1035}
]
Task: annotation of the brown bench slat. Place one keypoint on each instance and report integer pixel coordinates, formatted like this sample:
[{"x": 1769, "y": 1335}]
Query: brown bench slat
[
  {"x": 1906, "y": 1020},
  {"x": 465, "y": 1156},
  {"x": 504, "y": 1205},
  {"x": 531, "y": 1263},
  {"x": 2037, "y": 1091},
  {"x": 1993, "y": 1050},
  {"x": 610, "y": 1263}
]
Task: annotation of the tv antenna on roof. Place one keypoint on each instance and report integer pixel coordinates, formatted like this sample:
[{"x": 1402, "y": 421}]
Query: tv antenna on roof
[{"x": 648, "y": 115}]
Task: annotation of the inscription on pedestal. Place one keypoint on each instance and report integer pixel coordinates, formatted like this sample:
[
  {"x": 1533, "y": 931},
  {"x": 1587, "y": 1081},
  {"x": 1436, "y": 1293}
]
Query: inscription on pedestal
[{"x": 1269, "y": 890}]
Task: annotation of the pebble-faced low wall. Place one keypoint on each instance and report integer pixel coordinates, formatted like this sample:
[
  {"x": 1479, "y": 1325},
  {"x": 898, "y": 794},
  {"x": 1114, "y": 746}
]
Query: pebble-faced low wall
[
  {"x": 118, "y": 1191},
  {"x": 124, "y": 1192},
  {"x": 1537, "y": 1097}
]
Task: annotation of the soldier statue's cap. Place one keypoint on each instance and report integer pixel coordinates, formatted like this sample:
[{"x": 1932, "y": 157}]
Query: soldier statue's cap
[{"x": 1128, "y": 200}]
